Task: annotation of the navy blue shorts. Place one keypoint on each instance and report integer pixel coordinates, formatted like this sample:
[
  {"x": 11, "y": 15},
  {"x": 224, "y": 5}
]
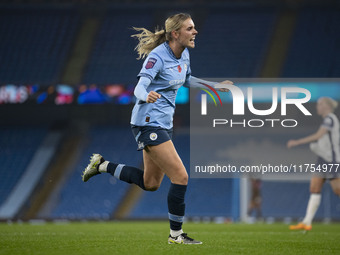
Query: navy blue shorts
[{"x": 147, "y": 135}]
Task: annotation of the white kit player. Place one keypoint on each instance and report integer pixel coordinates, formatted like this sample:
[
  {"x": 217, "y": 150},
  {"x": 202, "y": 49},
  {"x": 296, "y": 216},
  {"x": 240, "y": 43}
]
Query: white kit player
[{"x": 325, "y": 143}]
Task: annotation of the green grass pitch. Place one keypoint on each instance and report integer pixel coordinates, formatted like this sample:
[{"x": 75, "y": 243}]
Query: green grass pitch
[{"x": 151, "y": 238}]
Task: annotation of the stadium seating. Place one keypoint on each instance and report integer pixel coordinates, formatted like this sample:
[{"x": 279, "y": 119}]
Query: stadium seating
[
  {"x": 204, "y": 198},
  {"x": 314, "y": 50},
  {"x": 113, "y": 59},
  {"x": 97, "y": 199},
  {"x": 35, "y": 43},
  {"x": 289, "y": 199},
  {"x": 243, "y": 37},
  {"x": 18, "y": 145},
  {"x": 217, "y": 194}
]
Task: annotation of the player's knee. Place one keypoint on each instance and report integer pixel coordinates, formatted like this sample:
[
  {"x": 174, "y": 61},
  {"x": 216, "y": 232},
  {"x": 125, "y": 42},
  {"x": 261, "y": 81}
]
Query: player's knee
[
  {"x": 315, "y": 189},
  {"x": 181, "y": 179},
  {"x": 185, "y": 179},
  {"x": 151, "y": 186}
]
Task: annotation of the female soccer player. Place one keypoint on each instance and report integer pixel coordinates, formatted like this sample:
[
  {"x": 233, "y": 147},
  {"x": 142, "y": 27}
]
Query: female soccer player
[
  {"x": 327, "y": 147},
  {"x": 165, "y": 70}
]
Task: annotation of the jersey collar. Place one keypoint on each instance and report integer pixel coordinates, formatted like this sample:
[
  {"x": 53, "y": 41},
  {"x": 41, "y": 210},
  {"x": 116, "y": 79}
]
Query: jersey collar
[{"x": 170, "y": 50}]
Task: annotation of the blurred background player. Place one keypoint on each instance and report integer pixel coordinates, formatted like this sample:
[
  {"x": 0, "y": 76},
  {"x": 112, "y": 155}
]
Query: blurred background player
[
  {"x": 256, "y": 199},
  {"x": 165, "y": 70},
  {"x": 325, "y": 143}
]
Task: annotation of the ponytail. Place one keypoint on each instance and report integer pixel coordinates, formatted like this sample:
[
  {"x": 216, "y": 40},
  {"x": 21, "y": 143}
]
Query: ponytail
[{"x": 148, "y": 40}]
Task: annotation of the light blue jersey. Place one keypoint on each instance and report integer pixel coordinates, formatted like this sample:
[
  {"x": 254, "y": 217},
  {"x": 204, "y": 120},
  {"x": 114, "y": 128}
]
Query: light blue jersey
[{"x": 167, "y": 75}]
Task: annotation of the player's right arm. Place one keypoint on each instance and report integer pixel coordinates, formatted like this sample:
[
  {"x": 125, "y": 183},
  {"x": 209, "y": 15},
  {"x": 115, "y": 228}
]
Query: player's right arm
[
  {"x": 308, "y": 139},
  {"x": 326, "y": 126},
  {"x": 151, "y": 67},
  {"x": 195, "y": 82},
  {"x": 141, "y": 91}
]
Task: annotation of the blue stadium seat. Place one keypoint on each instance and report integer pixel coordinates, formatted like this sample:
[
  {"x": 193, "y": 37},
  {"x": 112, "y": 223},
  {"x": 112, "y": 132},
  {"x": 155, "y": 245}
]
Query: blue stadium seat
[
  {"x": 290, "y": 199},
  {"x": 113, "y": 59},
  {"x": 233, "y": 42},
  {"x": 99, "y": 197},
  {"x": 35, "y": 43},
  {"x": 314, "y": 50},
  {"x": 18, "y": 146}
]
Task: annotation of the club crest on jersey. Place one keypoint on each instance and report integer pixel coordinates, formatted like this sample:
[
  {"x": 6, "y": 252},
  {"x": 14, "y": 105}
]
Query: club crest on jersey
[
  {"x": 185, "y": 67},
  {"x": 153, "y": 136},
  {"x": 179, "y": 68},
  {"x": 151, "y": 62}
]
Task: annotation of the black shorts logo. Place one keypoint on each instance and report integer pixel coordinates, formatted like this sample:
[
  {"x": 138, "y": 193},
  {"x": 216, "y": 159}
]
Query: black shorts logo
[{"x": 140, "y": 145}]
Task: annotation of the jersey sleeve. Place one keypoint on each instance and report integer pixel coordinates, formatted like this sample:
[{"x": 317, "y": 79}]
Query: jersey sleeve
[
  {"x": 194, "y": 82},
  {"x": 327, "y": 123},
  {"x": 140, "y": 90},
  {"x": 151, "y": 66}
]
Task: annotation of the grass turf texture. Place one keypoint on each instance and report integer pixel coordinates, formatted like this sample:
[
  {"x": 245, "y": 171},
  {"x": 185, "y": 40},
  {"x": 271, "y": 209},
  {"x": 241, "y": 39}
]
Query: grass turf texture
[{"x": 151, "y": 238}]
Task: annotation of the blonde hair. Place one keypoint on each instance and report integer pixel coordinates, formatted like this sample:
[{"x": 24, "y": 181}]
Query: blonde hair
[
  {"x": 331, "y": 102},
  {"x": 149, "y": 40}
]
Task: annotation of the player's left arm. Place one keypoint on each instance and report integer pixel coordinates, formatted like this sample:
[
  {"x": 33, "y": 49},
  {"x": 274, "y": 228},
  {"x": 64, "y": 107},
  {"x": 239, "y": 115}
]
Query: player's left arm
[
  {"x": 308, "y": 139},
  {"x": 195, "y": 82}
]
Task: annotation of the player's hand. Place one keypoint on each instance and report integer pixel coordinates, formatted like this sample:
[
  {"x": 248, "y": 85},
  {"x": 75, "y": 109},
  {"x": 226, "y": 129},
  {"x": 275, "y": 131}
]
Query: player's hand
[
  {"x": 227, "y": 82},
  {"x": 152, "y": 97},
  {"x": 292, "y": 143}
]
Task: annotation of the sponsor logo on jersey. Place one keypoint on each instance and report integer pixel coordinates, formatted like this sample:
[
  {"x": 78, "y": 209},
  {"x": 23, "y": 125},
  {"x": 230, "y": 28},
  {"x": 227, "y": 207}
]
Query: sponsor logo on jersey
[
  {"x": 151, "y": 62},
  {"x": 153, "y": 136},
  {"x": 176, "y": 82}
]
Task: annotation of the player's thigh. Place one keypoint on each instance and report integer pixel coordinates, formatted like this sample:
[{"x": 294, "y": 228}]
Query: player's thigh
[
  {"x": 335, "y": 184},
  {"x": 166, "y": 157},
  {"x": 153, "y": 174},
  {"x": 316, "y": 184}
]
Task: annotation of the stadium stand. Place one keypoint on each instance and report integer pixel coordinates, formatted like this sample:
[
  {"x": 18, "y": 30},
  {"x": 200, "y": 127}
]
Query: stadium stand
[
  {"x": 35, "y": 43},
  {"x": 97, "y": 199},
  {"x": 113, "y": 59},
  {"x": 244, "y": 35},
  {"x": 18, "y": 145},
  {"x": 314, "y": 50},
  {"x": 204, "y": 198},
  {"x": 296, "y": 208},
  {"x": 28, "y": 182}
]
